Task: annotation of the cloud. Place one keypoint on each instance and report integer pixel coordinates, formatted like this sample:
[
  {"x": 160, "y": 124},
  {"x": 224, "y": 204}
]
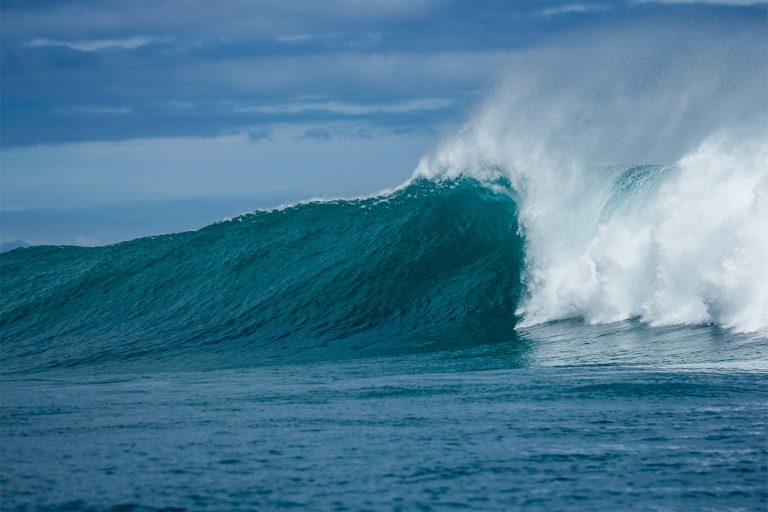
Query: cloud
[
  {"x": 63, "y": 21},
  {"x": 574, "y": 8},
  {"x": 296, "y": 38},
  {"x": 353, "y": 40},
  {"x": 93, "y": 45},
  {"x": 210, "y": 95},
  {"x": 221, "y": 68},
  {"x": 89, "y": 109},
  {"x": 348, "y": 108}
]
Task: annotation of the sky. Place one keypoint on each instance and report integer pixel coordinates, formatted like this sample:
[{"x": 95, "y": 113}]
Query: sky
[{"x": 129, "y": 118}]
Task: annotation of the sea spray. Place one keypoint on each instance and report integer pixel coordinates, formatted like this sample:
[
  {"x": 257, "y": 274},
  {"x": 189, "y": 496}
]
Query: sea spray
[{"x": 684, "y": 242}]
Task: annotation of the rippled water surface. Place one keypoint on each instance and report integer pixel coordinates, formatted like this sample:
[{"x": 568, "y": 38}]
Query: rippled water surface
[{"x": 548, "y": 422}]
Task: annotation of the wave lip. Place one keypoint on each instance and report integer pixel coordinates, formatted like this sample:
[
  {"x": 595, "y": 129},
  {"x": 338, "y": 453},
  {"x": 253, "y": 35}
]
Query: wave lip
[{"x": 430, "y": 265}]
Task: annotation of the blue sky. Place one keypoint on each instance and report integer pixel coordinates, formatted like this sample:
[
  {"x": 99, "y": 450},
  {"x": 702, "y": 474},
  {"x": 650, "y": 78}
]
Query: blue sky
[{"x": 143, "y": 109}]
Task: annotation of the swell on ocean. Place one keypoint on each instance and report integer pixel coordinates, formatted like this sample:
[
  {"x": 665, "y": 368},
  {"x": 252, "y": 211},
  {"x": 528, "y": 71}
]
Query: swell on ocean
[
  {"x": 441, "y": 263},
  {"x": 532, "y": 213},
  {"x": 430, "y": 265}
]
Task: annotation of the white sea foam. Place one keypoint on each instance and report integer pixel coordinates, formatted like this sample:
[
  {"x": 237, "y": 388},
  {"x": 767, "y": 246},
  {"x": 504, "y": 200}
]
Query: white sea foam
[{"x": 682, "y": 244}]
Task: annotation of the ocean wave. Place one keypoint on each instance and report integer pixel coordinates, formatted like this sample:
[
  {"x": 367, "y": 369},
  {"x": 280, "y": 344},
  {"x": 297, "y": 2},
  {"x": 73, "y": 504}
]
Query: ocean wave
[
  {"x": 513, "y": 222},
  {"x": 431, "y": 265},
  {"x": 681, "y": 243}
]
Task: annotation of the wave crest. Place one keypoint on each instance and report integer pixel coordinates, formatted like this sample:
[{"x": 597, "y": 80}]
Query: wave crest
[{"x": 683, "y": 243}]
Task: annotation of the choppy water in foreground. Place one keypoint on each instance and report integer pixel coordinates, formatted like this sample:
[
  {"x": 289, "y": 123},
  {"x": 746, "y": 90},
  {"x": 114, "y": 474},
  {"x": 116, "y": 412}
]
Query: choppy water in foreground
[{"x": 551, "y": 421}]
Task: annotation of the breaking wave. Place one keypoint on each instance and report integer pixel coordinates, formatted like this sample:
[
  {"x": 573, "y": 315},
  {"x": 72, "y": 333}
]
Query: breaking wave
[
  {"x": 681, "y": 243},
  {"x": 524, "y": 217}
]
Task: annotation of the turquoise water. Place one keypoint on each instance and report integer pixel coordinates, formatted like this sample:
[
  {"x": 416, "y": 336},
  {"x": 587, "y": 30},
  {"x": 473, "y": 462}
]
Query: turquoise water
[
  {"x": 359, "y": 355},
  {"x": 433, "y": 265}
]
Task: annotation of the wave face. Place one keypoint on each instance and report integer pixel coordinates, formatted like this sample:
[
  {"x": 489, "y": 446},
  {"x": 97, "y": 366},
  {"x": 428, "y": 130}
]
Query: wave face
[{"x": 432, "y": 265}]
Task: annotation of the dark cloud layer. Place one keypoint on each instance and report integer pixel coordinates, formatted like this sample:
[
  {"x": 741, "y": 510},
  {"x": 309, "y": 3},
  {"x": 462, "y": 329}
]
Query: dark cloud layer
[
  {"x": 107, "y": 102},
  {"x": 82, "y": 71}
]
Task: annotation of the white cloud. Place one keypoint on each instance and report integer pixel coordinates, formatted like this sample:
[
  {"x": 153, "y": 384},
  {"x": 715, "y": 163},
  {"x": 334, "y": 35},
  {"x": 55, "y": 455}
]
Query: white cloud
[
  {"x": 348, "y": 40},
  {"x": 295, "y": 38},
  {"x": 87, "y": 109},
  {"x": 92, "y": 45},
  {"x": 346, "y": 107},
  {"x": 573, "y": 8}
]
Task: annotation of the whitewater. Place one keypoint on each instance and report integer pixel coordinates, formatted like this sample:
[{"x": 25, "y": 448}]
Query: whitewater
[
  {"x": 565, "y": 308},
  {"x": 683, "y": 242}
]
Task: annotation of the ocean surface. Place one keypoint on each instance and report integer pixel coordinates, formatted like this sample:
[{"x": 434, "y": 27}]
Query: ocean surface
[{"x": 435, "y": 347}]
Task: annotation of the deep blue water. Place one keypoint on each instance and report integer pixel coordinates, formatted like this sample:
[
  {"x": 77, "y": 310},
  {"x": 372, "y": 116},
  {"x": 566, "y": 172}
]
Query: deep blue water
[
  {"x": 552, "y": 421},
  {"x": 358, "y": 355}
]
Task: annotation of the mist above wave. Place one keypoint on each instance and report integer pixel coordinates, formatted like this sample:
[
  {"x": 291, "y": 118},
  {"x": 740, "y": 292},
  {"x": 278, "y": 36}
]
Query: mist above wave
[{"x": 682, "y": 243}]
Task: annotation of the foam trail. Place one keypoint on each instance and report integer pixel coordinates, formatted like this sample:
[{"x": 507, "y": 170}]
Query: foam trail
[{"x": 684, "y": 243}]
